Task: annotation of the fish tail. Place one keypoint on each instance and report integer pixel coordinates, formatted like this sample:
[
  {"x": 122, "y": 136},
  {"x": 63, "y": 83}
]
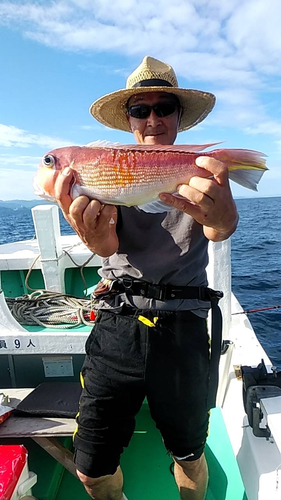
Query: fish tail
[{"x": 245, "y": 166}]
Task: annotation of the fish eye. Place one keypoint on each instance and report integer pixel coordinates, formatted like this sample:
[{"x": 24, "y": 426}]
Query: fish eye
[{"x": 48, "y": 161}]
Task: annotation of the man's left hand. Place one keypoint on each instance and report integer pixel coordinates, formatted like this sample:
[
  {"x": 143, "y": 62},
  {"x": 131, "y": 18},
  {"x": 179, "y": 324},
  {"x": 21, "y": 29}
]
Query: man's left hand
[{"x": 208, "y": 201}]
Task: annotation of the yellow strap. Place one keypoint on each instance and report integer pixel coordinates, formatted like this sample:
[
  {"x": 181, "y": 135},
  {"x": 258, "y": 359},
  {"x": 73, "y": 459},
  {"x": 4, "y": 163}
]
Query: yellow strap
[
  {"x": 74, "y": 433},
  {"x": 82, "y": 381},
  {"x": 147, "y": 321},
  {"x": 76, "y": 428}
]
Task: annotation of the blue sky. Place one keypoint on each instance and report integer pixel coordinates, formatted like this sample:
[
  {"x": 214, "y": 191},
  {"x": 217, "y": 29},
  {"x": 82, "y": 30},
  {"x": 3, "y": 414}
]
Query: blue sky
[{"x": 58, "y": 57}]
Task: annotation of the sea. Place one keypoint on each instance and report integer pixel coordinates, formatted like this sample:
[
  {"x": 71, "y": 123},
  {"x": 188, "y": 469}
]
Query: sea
[{"x": 255, "y": 254}]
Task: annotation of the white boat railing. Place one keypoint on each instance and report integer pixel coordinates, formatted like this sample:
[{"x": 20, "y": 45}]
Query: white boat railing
[
  {"x": 47, "y": 230},
  {"x": 7, "y": 322}
]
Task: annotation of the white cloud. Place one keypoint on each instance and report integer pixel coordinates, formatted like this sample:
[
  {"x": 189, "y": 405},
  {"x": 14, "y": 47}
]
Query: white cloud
[
  {"x": 13, "y": 136},
  {"x": 254, "y": 30},
  {"x": 94, "y": 127},
  {"x": 19, "y": 162},
  {"x": 234, "y": 40},
  {"x": 272, "y": 127},
  {"x": 233, "y": 46}
]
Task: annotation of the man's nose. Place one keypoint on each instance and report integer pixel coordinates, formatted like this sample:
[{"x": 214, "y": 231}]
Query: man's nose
[{"x": 153, "y": 119}]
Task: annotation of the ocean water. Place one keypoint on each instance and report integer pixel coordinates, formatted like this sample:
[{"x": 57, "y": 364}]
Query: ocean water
[
  {"x": 256, "y": 268},
  {"x": 256, "y": 262}
]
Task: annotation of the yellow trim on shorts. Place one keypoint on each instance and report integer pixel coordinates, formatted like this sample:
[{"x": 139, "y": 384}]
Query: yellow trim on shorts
[
  {"x": 76, "y": 428},
  {"x": 82, "y": 381},
  {"x": 147, "y": 321}
]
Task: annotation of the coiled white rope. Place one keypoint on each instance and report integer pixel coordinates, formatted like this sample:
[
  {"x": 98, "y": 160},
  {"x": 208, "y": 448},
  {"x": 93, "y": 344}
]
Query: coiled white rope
[
  {"x": 52, "y": 309},
  {"x": 46, "y": 308}
]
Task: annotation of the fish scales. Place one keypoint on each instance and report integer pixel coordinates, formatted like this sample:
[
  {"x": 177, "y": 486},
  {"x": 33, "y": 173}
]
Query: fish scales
[{"x": 137, "y": 174}]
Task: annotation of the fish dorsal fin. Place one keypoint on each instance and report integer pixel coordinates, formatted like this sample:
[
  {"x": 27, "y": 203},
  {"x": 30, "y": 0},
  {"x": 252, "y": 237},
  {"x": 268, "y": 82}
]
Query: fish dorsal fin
[
  {"x": 102, "y": 144},
  {"x": 182, "y": 148}
]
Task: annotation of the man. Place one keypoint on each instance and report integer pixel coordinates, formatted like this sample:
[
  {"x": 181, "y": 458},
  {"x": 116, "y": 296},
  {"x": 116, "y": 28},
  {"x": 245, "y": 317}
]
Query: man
[{"x": 148, "y": 341}]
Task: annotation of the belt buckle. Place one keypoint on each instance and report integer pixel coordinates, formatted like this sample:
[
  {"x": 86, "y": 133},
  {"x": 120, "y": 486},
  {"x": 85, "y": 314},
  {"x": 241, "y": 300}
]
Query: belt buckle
[
  {"x": 215, "y": 295},
  {"x": 157, "y": 292},
  {"x": 162, "y": 292},
  {"x": 127, "y": 283}
]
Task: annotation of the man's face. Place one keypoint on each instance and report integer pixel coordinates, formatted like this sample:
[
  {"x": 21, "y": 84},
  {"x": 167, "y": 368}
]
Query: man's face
[{"x": 154, "y": 129}]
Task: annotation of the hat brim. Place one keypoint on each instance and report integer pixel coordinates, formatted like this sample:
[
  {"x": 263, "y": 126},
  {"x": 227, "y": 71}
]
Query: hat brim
[{"x": 110, "y": 110}]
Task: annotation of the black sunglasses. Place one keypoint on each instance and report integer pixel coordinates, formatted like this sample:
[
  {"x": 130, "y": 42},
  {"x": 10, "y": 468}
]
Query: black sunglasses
[{"x": 144, "y": 110}]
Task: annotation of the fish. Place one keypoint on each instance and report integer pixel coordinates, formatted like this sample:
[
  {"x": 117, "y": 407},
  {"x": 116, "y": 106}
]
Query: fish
[{"x": 135, "y": 175}]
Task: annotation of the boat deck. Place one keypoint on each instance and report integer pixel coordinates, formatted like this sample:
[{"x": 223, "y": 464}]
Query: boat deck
[{"x": 146, "y": 467}]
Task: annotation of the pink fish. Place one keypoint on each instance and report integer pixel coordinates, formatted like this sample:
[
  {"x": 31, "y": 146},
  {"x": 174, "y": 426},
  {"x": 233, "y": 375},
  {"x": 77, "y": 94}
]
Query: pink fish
[{"x": 136, "y": 175}]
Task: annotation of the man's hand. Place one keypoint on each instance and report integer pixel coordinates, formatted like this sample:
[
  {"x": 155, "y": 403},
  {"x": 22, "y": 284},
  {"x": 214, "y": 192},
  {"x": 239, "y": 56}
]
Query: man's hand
[
  {"x": 208, "y": 201},
  {"x": 94, "y": 223}
]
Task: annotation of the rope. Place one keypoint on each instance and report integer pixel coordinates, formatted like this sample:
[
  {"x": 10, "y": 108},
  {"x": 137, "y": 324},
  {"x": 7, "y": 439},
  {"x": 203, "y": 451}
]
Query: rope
[
  {"x": 51, "y": 309},
  {"x": 28, "y": 274},
  {"x": 46, "y": 308},
  {"x": 72, "y": 260},
  {"x": 247, "y": 311},
  {"x": 81, "y": 268}
]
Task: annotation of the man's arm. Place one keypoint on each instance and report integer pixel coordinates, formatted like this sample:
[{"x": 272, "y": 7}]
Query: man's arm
[
  {"x": 94, "y": 223},
  {"x": 208, "y": 201}
]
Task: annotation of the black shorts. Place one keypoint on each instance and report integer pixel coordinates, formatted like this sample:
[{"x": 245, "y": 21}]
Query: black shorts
[{"x": 127, "y": 360}]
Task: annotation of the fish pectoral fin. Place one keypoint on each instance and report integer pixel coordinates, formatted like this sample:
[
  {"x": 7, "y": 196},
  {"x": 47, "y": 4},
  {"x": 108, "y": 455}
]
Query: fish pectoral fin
[
  {"x": 75, "y": 191},
  {"x": 155, "y": 207}
]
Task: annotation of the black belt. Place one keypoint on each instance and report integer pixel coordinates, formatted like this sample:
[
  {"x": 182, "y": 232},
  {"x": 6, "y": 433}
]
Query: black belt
[
  {"x": 133, "y": 286},
  {"x": 163, "y": 292}
]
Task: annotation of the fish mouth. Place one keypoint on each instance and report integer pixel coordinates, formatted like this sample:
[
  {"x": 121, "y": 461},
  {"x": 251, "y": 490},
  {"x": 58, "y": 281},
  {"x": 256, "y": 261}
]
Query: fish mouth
[{"x": 39, "y": 191}]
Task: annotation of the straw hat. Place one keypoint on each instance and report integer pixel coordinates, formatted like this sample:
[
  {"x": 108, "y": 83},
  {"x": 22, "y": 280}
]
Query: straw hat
[{"x": 152, "y": 76}]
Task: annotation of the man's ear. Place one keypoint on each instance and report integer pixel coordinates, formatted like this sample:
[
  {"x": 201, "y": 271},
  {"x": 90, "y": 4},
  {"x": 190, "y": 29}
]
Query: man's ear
[
  {"x": 128, "y": 119},
  {"x": 180, "y": 116}
]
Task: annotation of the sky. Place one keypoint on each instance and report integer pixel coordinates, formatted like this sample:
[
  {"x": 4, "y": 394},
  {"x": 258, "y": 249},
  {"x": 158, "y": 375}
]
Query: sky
[{"x": 56, "y": 58}]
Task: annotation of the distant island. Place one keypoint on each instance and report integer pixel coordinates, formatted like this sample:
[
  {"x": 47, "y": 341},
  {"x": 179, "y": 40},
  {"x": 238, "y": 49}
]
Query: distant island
[
  {"x": 16, "y": 204},
  {"x": 12, "y": 205}
]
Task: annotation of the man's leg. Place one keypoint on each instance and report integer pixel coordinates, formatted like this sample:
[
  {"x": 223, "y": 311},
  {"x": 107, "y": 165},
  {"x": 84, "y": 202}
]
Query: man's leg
[
  {"x": 178, "y": 378},
  {"x": 191, "y": 478},
  {"x": 103, "y": 488},
  {"x": 113, "y": 392}
]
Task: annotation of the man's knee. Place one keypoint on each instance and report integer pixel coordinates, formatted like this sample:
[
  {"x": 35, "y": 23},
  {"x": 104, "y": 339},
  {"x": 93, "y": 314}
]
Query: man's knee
[
  {"x": 90, "y": 481},
  {"x": 94, "y": 468},
  {"x": 190, "y": 466}
]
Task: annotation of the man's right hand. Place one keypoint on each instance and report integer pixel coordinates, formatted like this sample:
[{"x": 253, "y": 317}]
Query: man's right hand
[{"x": 94, "y": 223}]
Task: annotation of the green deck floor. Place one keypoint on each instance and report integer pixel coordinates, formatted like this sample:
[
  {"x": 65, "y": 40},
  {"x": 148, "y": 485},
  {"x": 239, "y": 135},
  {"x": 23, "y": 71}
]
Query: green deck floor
[{"x": 146, "y": 467}]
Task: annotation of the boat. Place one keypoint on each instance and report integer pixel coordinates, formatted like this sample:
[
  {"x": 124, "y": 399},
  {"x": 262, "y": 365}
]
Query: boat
[{"x": 243, "y": 449}]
